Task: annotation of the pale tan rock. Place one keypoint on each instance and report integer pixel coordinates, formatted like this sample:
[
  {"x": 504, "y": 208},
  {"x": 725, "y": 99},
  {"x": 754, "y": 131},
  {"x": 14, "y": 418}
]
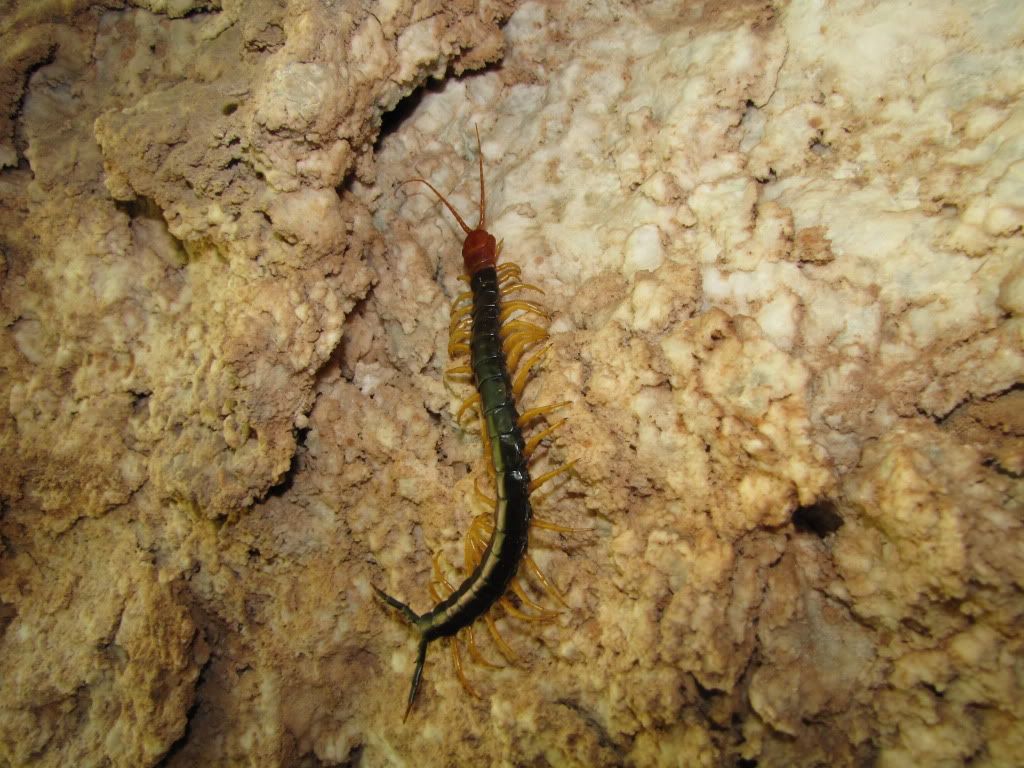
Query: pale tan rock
[
  {"x": 98, "y": 665},
  {"x": 177, "y": 264},
  {"x": 782, "y": 247}
]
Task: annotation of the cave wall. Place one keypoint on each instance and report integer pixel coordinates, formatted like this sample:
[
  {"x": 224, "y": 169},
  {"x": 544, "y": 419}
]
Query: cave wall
[{"x": 782, "y": 247}]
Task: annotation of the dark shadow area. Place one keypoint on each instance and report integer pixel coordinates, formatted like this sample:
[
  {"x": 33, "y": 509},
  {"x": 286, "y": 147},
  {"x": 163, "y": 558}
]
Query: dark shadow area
[
  {"x": 285, "y": 483},
  {"x": 392, "y": 121},
  {"x": 820, "y": 518}
]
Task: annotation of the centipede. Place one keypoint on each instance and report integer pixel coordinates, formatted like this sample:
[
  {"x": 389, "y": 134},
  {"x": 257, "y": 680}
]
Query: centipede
[{"x": 496, "y": 344}]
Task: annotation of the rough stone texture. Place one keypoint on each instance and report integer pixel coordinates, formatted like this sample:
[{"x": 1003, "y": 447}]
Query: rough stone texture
[
  {"x": 178, "y": 255},
  {"x": 782, "y": 243}
]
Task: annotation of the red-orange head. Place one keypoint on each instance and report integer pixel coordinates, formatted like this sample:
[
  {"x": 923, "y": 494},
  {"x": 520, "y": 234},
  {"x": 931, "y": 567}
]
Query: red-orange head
[{"x": 479, "y": 251}]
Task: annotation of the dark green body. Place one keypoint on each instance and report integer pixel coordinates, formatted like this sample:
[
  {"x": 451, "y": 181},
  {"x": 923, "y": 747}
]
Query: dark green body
[{"x": 512, "y": 513}]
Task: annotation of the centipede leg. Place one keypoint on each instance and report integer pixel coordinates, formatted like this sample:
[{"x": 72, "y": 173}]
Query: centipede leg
[
  {"x": 519, "y": 326},
  {"x": 483, "y": 497},
  {"x": 460, "y": 313},
  {"x": 474, "y": 650},
  {"x": 537, "y": 483},
  {"x": 534, "y": 441},
  {"x": 509, "y": 608},
  {"x": 522, "y": 305},
  {"x": 459, "y": 334},
  {"x": 474, "y": 546},
  {"x": 505, "y": 648},
  {"x": 514, "y": 285},
  {"x": 548, "y": 525},
  {"x": 518, "y": 347},
  {"x": 458, "y": 344},
  {"x": 473, "y": 401},
  {"x": 538, "y": 574},
  {"x": 458, "y": 371},
  {"x": 453, "y": 643},
  {"x": 527, "y": 601},
  {"x": 521, "y": 329},
  {"x": 531, "y": 414},
  {"x": 523, "y": 374},
  {"x": 438, "y": 580}
]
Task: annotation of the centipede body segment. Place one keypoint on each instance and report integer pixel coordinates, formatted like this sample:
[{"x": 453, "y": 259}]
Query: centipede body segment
[{"x": 491, "y": 324}]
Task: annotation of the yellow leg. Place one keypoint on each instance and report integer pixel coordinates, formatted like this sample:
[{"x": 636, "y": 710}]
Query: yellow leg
[
  {"x": 458, "y": 370},
  {"x": 460, "y": 312},
  {"x": 528, "y": 602},
  {"x": 438, "y": 580},
  {"x": 481, "y": 528},
  {"x": 514, "y": 285},
  {"x": 453, "y": 643},
  {"x": 514, "y": 347},
  {"x": 438, "y": 574},
  {"x": 486, "y": 523},
  {"x": 510, "y": 276},
  {"x": 505, "y": 648},
  {"x": 485, "y": 442},
  {"x": 489, "y": 465},
  {"x": 473, "y": 401},
  {"x": 548, "y": 525},
  {"x": 472, "y": 555},
  {"x": 534, "y": 441},
  {"x": 473, "y": 548},
  {"x": 535, "y": 484},
  {"x": 516, "y": 327},
  {"x": 508, "y": 266},
  {"x": 531, "y": 414},
  {"x": 474, "y": 651},
  {"x": 539, "y": 498},
  {"x": 513, "y": 350},
  {"x": 464, "y": 326},
  {"x": 457, "y": 349},
  {"x": 523, "y": 375},
  {"x": 441, "y": 579},
  {"x": 507, "y": 606},
  {"x": 538, "y": 574},
  {"x": 485, "y": 445},
  {"x": 522, "y": 305},
  {"x": 481, "y": 495}
]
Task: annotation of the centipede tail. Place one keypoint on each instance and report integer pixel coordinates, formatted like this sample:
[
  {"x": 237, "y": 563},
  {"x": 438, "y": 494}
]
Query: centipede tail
[
  {"x": 421, "y": 654},
  {"x": 500, "y": 341}
]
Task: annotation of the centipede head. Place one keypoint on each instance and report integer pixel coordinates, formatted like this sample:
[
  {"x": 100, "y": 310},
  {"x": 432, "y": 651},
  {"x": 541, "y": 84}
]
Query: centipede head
[{"x": 479, "y": 250}]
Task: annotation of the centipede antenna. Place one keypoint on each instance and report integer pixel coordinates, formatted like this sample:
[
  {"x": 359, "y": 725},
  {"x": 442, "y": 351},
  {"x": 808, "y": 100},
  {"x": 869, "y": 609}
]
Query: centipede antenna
[
  {"x": 480, "y": 155},
  {"x": 443, "y": 199}
]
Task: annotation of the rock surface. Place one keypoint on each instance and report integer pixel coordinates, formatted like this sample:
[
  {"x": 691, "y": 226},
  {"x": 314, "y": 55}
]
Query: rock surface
[{"x": 783, "y": 247}]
